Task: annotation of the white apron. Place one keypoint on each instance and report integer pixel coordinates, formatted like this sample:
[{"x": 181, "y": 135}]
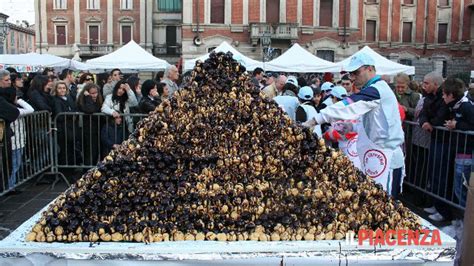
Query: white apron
[
  {"x": 375, "y": 161},
  {"x": 349, "y": 148}
]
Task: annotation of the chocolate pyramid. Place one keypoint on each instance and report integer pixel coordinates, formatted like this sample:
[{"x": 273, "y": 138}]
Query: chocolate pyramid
[{"x": 220, "y": 161}]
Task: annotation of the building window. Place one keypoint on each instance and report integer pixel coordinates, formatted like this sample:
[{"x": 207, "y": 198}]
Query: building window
[
  {"x": 171, "y": 40},
  {"x": 408, "y": 2},
  {"x": 30, "y": 43},
  {"x": 12, "y": 39},
  {"x": 21, "y": 40},
  {"x": 325, "y": 13},
  {"x": 217, "y": 11},
  {"x": 126, "y": 4},
  {"x": 126, "y": 34},
  {"x": 60, "y": 4},
  {"x": 94, "y": 34},
  {"x": 445, "y": 69},
  {"x": 443, "y": 2},
  {"x": 442, "y": 33},
  {"x": 407, "y": 32},
  {"x": 60, "y": 34},
  {"x": 93, "y": 4},
  {"x": 370, "y": 30},
  {"x": 169, "y": 5},
  {"x": 327, "y": 55},
  {"x": 406, "y": 62},
  {"x": 371, "y": 1}
]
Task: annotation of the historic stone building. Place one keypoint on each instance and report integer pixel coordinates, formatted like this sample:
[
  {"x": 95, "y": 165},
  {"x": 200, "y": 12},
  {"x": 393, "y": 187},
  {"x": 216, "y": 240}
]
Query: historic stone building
[
  {"x": 16, "y": 38},
  {"x": 429, "y": 34},
  {"x": 92, "y": 28}
]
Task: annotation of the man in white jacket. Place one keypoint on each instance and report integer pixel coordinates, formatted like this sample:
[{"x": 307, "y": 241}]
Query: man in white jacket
[{"x": 380, "y": 129}]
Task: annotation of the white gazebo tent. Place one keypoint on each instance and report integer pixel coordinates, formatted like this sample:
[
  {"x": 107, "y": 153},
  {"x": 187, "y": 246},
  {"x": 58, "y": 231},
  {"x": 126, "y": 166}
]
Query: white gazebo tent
[
  {"x": 247, "y": 62},
  {"x": 383, "y": 66},
  {"x": 41, "y": 60},
  {"x": 129, "y": 58},
  {"x": 298, "y": 59}
]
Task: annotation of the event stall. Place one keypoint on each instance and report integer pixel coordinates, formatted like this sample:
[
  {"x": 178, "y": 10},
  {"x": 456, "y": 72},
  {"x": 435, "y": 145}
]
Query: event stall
[
  {"x": 383, "y": 65},
  {"x": 298, "y": 59},
  {"x": 249, "y": 63},
  {"x": 41, "y": 60},
  {"x": 129, "y": 58}
]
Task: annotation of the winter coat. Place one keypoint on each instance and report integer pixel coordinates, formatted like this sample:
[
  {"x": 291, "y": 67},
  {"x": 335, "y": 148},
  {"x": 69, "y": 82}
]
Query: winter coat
[
  {"x": 110, "y": 106},
  {"x": 41, "y": 101},
  {"x": 18, "y": 127},
  {"x": 409, "y": 99},
  {"x": 172, "y": 86},
  {"x": 9, "y": 113},
  {"x": 148, "y": 104},
  {"x": 435, "y": 111},
  {"x": 271, "y": 91}
]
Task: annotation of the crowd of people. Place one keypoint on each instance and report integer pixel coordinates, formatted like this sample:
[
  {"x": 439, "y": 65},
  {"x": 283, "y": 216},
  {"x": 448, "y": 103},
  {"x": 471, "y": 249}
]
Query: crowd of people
[
  {"x": 83, "y": 139},
  {"x": 358, "y": 107},
  {"x": 362, "y": 102}
]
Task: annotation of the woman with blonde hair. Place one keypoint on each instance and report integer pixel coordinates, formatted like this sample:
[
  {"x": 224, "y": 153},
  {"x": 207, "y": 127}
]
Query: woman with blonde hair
[
  {"x": 89, "y": 101},
  {"x": 65, "y": 123},
  {"x": 407, "y": 98}
]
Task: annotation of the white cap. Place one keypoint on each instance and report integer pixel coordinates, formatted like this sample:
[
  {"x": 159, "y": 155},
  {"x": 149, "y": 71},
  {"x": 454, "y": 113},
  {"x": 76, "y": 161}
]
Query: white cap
[
  {"x": 358, "y": 60},
  {"x": 327, "y": 86},
  {"x": 339, "y": 92},
  {"x": 305, "y": 93},
  {"x": 292, "y": 80}
]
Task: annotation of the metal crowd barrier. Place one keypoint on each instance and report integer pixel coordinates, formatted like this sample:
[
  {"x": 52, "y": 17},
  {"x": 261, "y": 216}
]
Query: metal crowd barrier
[
  {"x": 82, "y": 140},
  {"x": 439, "y": 163},
  {"x": 28, "y": 153}
]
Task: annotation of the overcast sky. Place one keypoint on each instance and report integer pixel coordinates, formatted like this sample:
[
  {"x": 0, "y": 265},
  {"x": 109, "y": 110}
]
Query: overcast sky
[{"x": 18, "y": 10}]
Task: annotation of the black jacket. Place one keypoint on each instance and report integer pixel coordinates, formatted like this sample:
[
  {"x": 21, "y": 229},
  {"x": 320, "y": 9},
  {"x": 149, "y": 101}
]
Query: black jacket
[
  {"x": 148, "y": 105},
  {"x": 9, "y": 113},
  {"x": 88, "y": 106},
  {"x": 64, "y": 123},
  {"x": 435, "y": 111},
  {"x": 463, "y": 111},
  {"x": 41, "y": 101},
  {"x": 61, "y": 105}
]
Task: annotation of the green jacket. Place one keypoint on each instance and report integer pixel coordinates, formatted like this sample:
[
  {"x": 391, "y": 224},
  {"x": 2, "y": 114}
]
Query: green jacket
[{"x": 409, "y": 99}]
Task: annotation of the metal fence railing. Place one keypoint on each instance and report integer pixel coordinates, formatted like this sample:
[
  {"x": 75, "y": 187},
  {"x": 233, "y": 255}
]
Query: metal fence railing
[
  {"x": 82, "y": 140},
  {"x": 439, "y": 163},
  {"x": 26, "y": 150}
]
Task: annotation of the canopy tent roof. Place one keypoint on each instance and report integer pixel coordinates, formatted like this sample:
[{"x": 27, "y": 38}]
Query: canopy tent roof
[
  {"x": 41, "y": 60},
  {"x": 129, "y": 57},
  {"x": 298, "y": 59},
  {"x": 383, "y": 66},
  {"x": 247, "y": 62}
]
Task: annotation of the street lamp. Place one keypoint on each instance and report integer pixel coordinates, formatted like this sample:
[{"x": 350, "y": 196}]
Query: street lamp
[{"x": 3, "y": 30}]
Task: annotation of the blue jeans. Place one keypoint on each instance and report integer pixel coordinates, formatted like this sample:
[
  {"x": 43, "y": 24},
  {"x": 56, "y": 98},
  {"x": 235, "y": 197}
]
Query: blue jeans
[
  {"x": 16, "y": 163},
  {"x": 462, "y": 172}
]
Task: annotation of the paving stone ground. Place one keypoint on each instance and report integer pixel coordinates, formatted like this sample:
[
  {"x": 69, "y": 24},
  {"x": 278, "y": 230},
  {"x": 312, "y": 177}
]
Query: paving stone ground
[{"x": 16, "y": 208}]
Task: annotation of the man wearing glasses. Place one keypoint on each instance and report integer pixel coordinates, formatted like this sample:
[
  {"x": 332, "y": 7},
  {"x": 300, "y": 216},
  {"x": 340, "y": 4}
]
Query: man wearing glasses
[{"x": 379, "y": 127}]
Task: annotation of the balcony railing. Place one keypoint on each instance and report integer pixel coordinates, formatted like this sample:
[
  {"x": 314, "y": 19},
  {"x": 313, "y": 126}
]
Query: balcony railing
[
  {"x": 167, "y": 50},
  {"x": 282, "y": 31},
  {"x": 95, "y": 49}
]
